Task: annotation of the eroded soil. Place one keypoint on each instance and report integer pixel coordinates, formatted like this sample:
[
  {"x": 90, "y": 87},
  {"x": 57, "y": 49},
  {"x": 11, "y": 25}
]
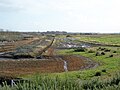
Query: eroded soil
[{"x": 49, "y": 61}]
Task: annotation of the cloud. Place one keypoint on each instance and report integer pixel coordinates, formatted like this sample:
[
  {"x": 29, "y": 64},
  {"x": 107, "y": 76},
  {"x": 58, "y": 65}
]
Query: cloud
[
  {"x": 67, "y": 14},
  {"x": 9, "y": 6},
  {"x": 28, "y": 6}
]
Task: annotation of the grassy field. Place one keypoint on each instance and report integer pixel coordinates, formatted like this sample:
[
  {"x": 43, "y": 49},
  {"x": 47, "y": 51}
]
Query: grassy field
[
  {"x": 102, "y": 39},
  {"x": 106, "y": 63}
]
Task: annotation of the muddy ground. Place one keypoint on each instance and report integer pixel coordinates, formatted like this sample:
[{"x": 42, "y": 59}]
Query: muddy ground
[{"x": 47, "y": 61}]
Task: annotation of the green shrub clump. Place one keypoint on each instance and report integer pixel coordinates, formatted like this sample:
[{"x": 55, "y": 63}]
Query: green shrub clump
[
  {"x": 91, "y": 51},
  {"x": 80, "y": 49}
]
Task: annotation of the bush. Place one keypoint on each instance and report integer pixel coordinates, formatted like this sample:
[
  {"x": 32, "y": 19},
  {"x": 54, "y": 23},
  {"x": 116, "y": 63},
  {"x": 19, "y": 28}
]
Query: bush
[
  {"x": 68, "y": 36},
  {"x": 114, "y": 51},
  {"x": 107, "y": 50},
  {"x": 104, "y": 70},
  {"x": 97, "y": 54},
  {"x": 102, "y": 53},
  {"x": 91, "y": 51},
  {"x": 98, "y": 74},
  {"x": 80, "y": 49},
  {"x": 111, "y": 55},
  {"x": 101, "y": 49}
]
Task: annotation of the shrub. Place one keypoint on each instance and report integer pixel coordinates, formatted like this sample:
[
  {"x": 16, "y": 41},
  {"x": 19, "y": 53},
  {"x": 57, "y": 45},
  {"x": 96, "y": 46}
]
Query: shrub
[
  {"x": 80, "y": 49},
  {"x": 98, "y": 73},
  {"x": 111, "y": 55},
  {"x": 101, "y": 49},
  {"x": 91, "y": 51},
  {"x": 97, "y": 54},
  {"x": 104, "y": 70},
  {"x": 102, "y": 53},
  {"x": 107, "y": 50},
  {"x": 68, "y": 36},
  {"x": 114, "y": 51}
]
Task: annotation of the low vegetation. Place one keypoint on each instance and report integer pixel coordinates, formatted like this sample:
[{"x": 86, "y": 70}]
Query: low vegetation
[
  {"x": 56, "y": 83},
  {"x": 102, "y": 39},
  {"x": 108, "y": 61},
  {"x": 93, "y": 64}
]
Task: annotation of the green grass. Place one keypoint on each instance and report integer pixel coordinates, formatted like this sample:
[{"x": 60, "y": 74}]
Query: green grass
[
  {"x": 56, "y": 83},
  {"x": 110, "y": 64},
  {"x": 103, "y": 39}
]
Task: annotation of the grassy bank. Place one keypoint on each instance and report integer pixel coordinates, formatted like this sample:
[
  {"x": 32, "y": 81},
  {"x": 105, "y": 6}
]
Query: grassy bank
[{"x": 107, "y": 64}]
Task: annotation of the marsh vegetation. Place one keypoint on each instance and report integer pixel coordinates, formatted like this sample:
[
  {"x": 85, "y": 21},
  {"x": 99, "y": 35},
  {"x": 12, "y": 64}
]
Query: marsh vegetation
[{"x": 92, "y": 61}]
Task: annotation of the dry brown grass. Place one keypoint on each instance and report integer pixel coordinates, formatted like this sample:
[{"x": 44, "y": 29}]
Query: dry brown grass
[{"x": 13, "y": 45}]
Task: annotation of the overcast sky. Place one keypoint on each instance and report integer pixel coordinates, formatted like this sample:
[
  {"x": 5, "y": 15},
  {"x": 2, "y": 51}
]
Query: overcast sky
[{"x": 63, "y": 15}]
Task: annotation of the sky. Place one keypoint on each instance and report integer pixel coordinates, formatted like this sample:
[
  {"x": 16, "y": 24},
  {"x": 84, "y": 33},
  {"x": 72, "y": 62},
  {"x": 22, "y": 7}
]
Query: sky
[{"x": 61, "y": 15}]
